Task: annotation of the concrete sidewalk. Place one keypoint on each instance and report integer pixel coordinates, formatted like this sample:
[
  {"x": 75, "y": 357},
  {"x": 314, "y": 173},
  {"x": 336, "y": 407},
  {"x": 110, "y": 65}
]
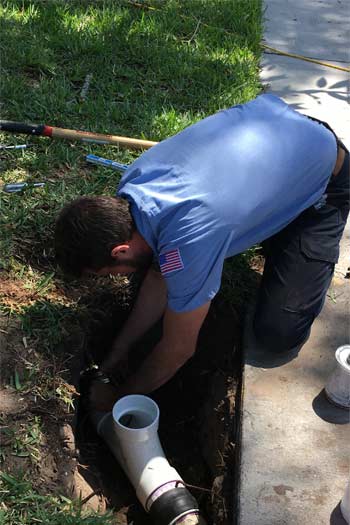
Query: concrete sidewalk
[
  {"x": 316, "y": 29},
  {"x": 295, "y": 446}
]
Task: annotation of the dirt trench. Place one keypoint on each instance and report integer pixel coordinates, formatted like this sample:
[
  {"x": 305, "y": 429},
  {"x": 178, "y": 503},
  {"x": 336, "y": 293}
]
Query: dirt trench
[
  {"x": 198, "y": 420},
  {"x": 199, "y": 407}
]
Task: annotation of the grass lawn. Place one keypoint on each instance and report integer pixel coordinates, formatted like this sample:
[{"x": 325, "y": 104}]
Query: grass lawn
[{"x": 153, "y": 69}]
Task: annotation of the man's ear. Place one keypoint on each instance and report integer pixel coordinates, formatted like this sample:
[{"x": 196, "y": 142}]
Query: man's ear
[{"x": 120, "y": 249}]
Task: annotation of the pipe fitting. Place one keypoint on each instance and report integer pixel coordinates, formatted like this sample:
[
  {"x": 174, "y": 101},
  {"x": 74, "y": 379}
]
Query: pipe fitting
[
  {"x": 338, "y": 386},
  {"x": 131, "y": 432},
  {"x": 173, "y": 506}
]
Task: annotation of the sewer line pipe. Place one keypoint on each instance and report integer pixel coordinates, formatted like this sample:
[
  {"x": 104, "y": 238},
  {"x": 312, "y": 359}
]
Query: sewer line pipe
[{"x": 131, "y": 432}]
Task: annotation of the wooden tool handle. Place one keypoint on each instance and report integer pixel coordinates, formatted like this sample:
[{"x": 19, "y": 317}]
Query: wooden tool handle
[
  {"x": 100, "y": 138},
  {"x": 71, "y": 134}
]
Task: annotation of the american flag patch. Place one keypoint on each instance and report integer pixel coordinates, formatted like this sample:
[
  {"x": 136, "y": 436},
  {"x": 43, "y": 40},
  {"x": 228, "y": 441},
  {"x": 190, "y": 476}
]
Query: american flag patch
[{"x": 170, "y": 261}]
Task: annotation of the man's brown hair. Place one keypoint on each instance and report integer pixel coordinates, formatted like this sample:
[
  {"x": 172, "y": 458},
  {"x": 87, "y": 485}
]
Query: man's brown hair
[{"x": 86, "y": 231}]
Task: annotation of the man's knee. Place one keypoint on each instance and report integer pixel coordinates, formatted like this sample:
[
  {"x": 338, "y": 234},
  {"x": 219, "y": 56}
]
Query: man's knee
[{"x": 280, "y": 332}]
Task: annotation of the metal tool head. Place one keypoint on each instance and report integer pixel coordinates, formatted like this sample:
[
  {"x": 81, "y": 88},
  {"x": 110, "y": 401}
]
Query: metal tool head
[{"x": 16, "y": 187}]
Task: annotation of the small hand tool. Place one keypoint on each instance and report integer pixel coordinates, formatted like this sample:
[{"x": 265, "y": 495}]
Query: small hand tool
[
  {"x": 16, "y": 187},
  {"x": 106, "y": 162},
  {"x": 16, "y": 146}
]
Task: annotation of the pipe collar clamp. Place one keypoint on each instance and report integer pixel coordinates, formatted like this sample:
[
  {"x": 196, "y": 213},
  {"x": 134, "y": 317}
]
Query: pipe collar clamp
[{"x": 173, "y": 505}]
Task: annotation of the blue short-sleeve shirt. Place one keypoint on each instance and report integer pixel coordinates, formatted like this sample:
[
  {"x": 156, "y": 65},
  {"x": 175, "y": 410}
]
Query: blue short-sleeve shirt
[{"x": 222, "y": 185}]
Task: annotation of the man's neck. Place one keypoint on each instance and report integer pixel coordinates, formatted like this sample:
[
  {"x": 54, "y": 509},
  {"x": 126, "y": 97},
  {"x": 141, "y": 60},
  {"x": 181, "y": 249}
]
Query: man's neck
[{"x": 139, "y": 242}]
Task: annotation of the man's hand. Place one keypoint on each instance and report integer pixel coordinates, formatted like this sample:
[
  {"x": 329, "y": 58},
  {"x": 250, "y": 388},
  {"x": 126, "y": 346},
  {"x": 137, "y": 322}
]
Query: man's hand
[
  {"x": 105, "y": 389},
  {"x": 103, "y": 396}
]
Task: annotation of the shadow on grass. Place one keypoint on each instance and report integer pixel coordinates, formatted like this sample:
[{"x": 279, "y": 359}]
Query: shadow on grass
[
  {"x": 154, "y": 73},
  {"x": 148, "y": 67}
]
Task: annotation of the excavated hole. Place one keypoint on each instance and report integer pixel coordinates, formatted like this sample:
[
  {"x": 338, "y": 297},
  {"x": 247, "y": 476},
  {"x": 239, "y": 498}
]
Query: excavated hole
[{"x": 198, "y": 418}]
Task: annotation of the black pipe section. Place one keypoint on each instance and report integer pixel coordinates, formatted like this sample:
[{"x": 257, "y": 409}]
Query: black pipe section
[{"x": 172, "y": 505}]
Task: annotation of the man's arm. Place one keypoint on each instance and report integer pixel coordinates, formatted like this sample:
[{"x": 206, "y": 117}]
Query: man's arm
[
  {"x": 149, "y": 308},
  {"x": 178, "y": 344}
]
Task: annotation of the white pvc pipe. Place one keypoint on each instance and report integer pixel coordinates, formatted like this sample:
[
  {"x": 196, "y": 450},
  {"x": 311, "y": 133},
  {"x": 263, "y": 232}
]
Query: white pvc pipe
[
  {"x": 338, "y": 385},
  {"x": 131, "y": 431},
  {"x": 136, "y": 421},
  {"x": 345, "y": 504}
]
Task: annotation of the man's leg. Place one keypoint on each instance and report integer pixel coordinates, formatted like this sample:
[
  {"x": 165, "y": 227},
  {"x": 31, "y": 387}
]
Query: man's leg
[{"x": 298, "y": 270}]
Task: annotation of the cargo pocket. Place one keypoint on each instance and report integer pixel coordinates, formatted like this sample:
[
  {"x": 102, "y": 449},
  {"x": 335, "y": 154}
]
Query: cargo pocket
[{"x": 320, "y": 238}]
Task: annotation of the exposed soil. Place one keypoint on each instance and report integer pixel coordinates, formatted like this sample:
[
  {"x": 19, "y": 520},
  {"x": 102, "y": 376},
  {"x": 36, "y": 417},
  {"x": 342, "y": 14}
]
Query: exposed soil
[
  {"x": 198, "y": 408},
  {"x": 197, "y": 423},
  {"x": 32, "y": 438}
]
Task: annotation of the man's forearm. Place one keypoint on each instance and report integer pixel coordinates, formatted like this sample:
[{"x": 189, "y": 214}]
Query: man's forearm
[
  {"x": 178, "y": 344},
  {"x": 149, "y": 308},
  {"x": 160, "y": 366}
]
